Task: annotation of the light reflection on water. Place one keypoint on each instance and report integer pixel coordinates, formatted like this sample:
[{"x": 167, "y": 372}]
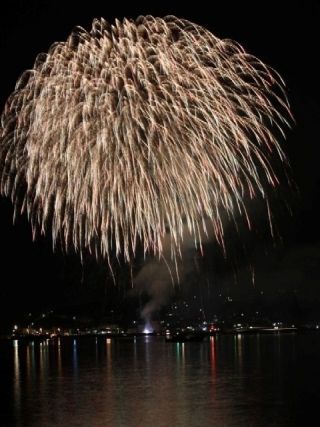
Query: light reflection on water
[
  {"x": 240, "y": 380},
  {"x": 16, "y": 380}
]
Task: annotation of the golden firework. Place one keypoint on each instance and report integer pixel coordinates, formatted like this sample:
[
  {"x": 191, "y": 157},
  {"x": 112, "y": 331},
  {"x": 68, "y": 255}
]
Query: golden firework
[{"x": 138, "y": 130}]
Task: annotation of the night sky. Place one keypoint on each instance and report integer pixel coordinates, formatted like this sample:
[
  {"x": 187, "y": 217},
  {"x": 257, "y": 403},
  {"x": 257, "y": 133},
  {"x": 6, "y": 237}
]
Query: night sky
[{"x": 287, "y": 38}]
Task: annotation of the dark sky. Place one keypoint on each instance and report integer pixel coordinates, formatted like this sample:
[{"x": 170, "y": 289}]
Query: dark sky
[{"x": 286, "y": 37}]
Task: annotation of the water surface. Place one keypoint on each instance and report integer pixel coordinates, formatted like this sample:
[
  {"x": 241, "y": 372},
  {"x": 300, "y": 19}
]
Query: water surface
[{"x": 249, "y": 380}]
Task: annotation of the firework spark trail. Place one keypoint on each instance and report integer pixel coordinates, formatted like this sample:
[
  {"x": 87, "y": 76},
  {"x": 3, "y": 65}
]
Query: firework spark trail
[{"x": 134, "y": 130}]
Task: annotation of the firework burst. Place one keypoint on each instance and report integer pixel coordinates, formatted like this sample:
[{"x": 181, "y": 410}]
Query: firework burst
[{"x": 137, "y": 130}]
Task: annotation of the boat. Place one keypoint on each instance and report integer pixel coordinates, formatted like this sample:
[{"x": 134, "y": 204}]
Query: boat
[{"x": 184, "y": 336}]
